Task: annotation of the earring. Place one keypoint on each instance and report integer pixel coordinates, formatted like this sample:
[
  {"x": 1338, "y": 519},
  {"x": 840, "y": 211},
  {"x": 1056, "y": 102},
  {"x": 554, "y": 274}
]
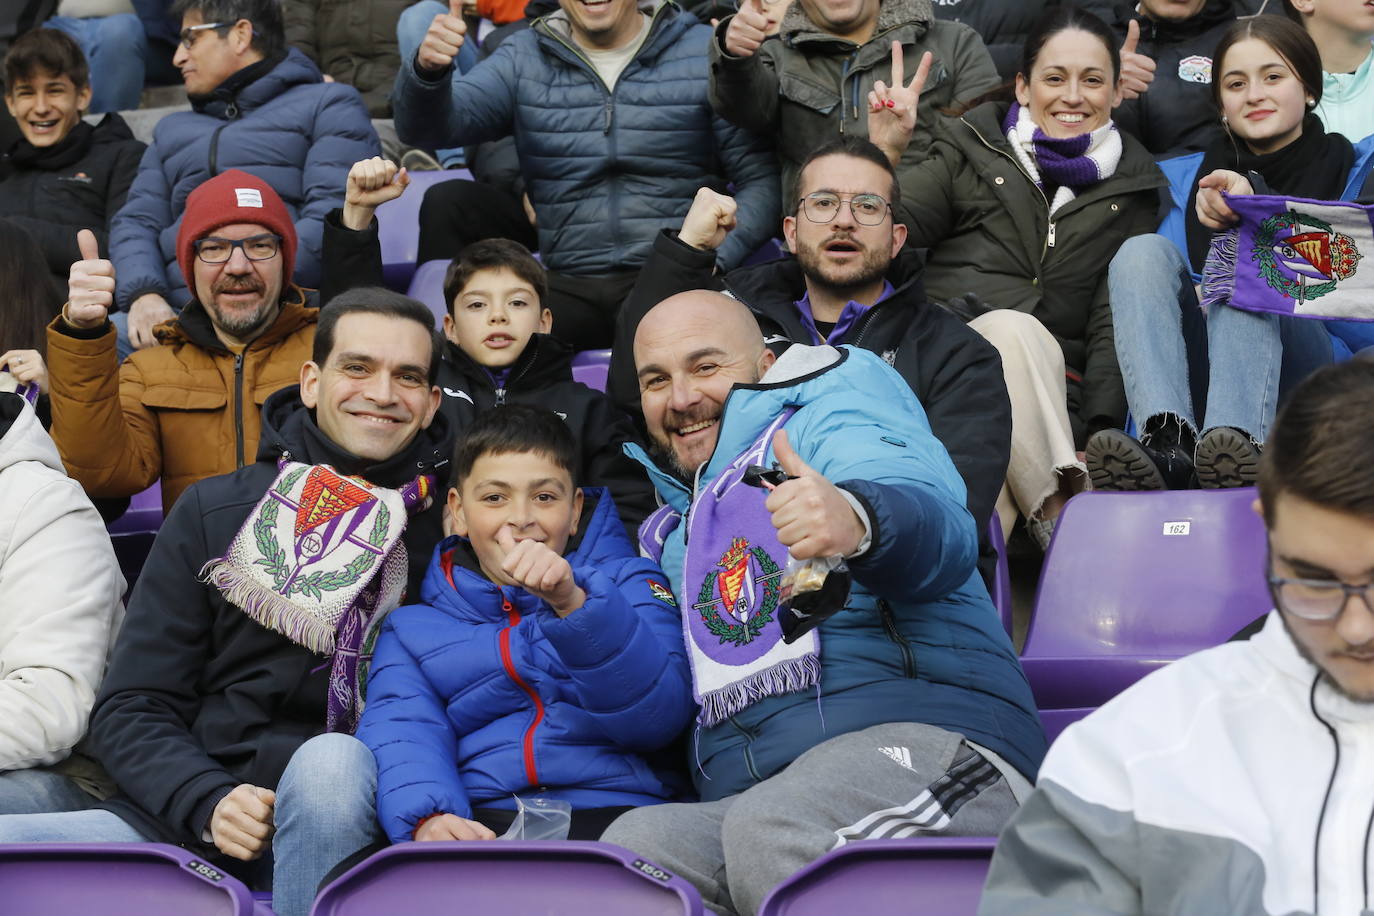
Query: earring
[{"x": 1311, "y": 103}]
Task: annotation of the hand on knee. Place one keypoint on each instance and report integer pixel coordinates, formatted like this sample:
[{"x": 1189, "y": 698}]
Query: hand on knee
[{"x": 241, "y": 825}]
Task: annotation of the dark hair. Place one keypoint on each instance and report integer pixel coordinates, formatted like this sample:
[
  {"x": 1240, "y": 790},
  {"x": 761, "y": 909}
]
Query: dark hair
[
  {"x": 1291, "y": 11},
  {"x": 47, "y": 51},
  {"x": 1320, "y": 445},
  {"x": 494, "y": 254},
  {"x": 854, "y": 147},
  {"x": 1289, "y": 39},
  {"x": 29, "y": 296},
  {"x": 515, "y": 428},
  {"x": 1067, "y": 18},
  {"x": 269, "y": 35},
  {"x": 373, "y": 300}
]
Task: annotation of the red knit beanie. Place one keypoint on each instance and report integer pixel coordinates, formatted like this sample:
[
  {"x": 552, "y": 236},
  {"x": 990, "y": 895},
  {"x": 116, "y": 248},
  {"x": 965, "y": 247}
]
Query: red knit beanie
[{"x": 233, "y": 197}]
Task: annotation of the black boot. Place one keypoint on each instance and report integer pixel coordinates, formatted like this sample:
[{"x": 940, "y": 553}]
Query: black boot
[
  {"x": 1227, "y": 457},
  {"x": 1118, "y": 462}
]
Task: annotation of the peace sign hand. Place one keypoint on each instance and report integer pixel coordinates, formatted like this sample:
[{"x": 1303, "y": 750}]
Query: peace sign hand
[{"x": 892, "y": 109}]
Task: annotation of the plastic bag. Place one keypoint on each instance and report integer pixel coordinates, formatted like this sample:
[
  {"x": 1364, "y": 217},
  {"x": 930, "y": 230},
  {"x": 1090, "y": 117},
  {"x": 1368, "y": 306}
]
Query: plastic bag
[{"x": 539, "y": 818}]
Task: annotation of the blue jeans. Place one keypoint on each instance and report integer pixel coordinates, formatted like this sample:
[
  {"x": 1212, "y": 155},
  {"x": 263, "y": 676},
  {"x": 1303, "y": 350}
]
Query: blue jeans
[
  {"x": 325, "y": 811},
  {"x": 1174, "y": 357},
  {"x": 116, "y": 48},
  {"x": 39, "y": 791},
  {"x": 410, "y": 32}
]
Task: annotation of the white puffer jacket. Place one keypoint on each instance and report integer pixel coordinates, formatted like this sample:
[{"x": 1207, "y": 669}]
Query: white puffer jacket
[{"x": 60, "y": 589}]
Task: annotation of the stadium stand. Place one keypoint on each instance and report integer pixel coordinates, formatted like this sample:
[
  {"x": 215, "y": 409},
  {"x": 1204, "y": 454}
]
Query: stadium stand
[{"x": 398, "y": 227}]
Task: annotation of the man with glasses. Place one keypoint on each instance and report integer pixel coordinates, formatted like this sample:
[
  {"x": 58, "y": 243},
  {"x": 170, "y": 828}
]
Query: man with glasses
[
  {"x": 848, "y": 284},
  {"x": 1236, "y": 780},
  {"x": 190, "y": 408},
  {"x": 257, "y": 106}
]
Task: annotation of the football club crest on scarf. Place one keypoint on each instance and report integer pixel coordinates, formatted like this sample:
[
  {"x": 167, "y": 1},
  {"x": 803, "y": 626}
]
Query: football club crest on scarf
[
  {"x": 1296, "y": 257},
  {"x": 320, "y": 560},
  {"x": 732, "y": 579}
]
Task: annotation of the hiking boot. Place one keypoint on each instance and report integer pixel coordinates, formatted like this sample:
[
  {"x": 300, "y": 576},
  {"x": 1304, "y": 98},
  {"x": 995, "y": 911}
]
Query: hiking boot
[
  {"x": 1118, "y": 462},
  {"x": 1227, "y": 457}
]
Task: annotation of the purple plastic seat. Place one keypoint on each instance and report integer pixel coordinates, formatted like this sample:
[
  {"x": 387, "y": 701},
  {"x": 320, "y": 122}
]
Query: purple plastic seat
[
  {"x": 1001, "y": 581},
  {"x": 1133, "y": 581},
  {"x": 591, "y": 367},
  {"x": 133, "y": 532},
  {"x": 398, "y": 226},
  {"x": 919, "y": 875},
  {"x": 428, "y": 286},
  {"x": 117, "y": 879},
  {"x": 1054, "y": 721},
  {"x": 509, "y": 879}
]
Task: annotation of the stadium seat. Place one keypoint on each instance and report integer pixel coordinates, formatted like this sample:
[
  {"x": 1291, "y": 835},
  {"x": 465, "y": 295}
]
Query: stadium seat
[
  {"x": 117, "y": 879},
  {"x": 770, "y": 250},
  {"x": 428, "y": 286},
  {"x": 919, "y": 875},
  {"x": 1001, "y": 582},
  {"x": 590, "y": 367},
  {"x": 1133, "y": 581},
  {"x": 133, "y": 532},
  {"x": 509, "y": 879},
  {"x": 398, "y": 226},
  {"x": 1054, "y": 721}
]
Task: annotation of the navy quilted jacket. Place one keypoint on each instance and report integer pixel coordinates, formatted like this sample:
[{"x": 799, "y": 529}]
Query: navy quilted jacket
[
  {"x": 605, "y": 169},
  {"x": 293, "y": 131},
  {"x": 483, "y": 692}
]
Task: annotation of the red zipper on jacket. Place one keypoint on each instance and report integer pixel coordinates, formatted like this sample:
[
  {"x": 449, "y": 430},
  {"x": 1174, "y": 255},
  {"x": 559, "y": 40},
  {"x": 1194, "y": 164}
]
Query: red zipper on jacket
[{"x": 531, "y": 773}]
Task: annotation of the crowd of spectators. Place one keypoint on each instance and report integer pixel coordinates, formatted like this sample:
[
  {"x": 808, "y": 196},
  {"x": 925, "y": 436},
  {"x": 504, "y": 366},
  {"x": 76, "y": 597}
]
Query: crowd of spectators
[{"x": 875, "y": 278}]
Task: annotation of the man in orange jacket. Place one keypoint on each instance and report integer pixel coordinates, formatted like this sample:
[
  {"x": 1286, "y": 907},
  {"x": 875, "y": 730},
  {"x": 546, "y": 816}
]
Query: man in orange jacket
[{"x": 187, "y": 409}]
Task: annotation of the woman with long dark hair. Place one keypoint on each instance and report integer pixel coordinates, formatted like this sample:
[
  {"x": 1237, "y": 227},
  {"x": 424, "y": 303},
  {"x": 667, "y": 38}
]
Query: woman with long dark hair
[
  {"x": 1227, "y": 367},
  {"x": 1020, "y": 204},
  {"x": 29, "y": 299}
]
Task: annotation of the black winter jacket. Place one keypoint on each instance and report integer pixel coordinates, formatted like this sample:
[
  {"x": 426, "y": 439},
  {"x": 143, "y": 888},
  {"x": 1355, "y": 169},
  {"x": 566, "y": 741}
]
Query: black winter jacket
[
  {"x": 540, "y": 377},
  {"x": 955, "y": 373},
  {"x": 200, "y": 698},
  {"x": 78, "y": 184}
]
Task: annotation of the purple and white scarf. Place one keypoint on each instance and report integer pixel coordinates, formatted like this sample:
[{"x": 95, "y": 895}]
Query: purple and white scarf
[
  {"x": 729, "y": 594},
  {"x": 1068, "y": 164},
  {"x": 325, "y": 574},
  {"x": 1290, "y": 256}
]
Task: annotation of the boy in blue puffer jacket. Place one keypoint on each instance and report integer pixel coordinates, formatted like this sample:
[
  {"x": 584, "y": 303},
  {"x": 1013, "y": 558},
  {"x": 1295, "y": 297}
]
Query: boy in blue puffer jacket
[{"x": 539, "y": 662}]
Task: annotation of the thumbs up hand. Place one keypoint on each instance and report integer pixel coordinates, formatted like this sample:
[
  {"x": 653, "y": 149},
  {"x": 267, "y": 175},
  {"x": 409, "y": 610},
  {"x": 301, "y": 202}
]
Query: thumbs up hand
[
  {"x": 811, "y": 514},
  {"x": 748, "y": 28},
  {"x": 90, "y": 285},
  {"x": 1137, "y": 70},
  {"x": 445, "y": 36}
]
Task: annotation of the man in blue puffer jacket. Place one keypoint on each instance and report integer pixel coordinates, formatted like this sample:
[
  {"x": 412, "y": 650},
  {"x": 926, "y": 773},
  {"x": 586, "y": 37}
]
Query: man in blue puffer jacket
[
  {"x": 256, "y": 107},
  {"x": 904, "y": 712},
  {"x": 526, "y": 670},
  {"x": 608, "y": 106}
]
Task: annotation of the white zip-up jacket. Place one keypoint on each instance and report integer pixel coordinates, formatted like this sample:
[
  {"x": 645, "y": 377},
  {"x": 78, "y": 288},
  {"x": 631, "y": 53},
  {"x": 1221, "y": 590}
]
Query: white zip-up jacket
[
  {"x": 60, "y": 589},
  {"x": 1236, "y": 780}
]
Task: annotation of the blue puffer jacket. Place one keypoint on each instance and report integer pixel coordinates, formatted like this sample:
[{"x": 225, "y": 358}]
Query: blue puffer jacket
[
  {"x": 605, "y": 169},
  {"x": 919, "y": 640},
  {"x": 482, "y": 692},
  {"x": 1182, "y": 174},
  {"x": 293, "y": 131}
]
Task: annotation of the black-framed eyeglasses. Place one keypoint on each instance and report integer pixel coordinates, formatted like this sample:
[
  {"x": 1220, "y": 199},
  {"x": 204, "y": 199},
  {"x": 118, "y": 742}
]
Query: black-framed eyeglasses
[
  {"x": 214, "y": 250},
  {"x": 867, "y": 209},
  {"x": 189, "y": 34},
  {"x": 1315, "y": 599}
]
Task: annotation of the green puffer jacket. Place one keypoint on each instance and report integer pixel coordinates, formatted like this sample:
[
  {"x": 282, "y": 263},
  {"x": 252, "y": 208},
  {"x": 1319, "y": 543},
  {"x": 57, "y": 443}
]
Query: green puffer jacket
[
  {"x": 806, "y": 86},
  {"x": 989, "y": 233}
]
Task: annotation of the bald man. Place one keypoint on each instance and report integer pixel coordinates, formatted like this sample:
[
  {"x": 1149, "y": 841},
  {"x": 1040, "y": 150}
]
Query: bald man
[{"x": 907, "y": 710}]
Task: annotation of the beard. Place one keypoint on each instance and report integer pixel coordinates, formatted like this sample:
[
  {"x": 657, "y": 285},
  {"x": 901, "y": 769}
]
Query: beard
[
  {"x": 661, "y": 447},
  {"x": 843, "y": 279},
  {"x": 1308, "y": 656},
  {"x": 240, "y": 321}
]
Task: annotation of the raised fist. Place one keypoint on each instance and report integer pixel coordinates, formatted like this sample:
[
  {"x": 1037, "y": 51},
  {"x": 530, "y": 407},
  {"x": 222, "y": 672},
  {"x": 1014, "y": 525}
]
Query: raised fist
[
  {"x": 371, "y": 183},
  {"x": 90, "y": 285},
  {"x": 709, "y": 221}
]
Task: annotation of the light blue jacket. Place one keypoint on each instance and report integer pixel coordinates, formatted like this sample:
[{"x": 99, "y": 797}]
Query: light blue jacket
[{"x": 919, "y": 640}]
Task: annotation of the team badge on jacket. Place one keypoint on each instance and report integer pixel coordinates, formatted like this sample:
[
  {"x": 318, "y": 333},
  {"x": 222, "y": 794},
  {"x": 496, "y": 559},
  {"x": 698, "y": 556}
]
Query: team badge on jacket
[{"x": 1195, "y": 69}]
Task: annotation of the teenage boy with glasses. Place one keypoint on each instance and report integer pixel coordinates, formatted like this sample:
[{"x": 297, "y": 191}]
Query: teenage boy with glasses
[
  {"x": 1235, "y": 780},
  {"x": 189, "y": 408}
]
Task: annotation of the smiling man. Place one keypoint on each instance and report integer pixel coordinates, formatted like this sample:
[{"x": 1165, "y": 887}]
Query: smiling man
[
  {"x": 190, "y": 408},
  {"x": 1235, "y": 780},
  {"x": 226, "y": 715},
  {"x": 862, "y": 726}
]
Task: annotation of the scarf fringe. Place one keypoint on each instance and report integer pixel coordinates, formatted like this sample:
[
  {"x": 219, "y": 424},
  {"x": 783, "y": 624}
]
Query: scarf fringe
[
  {"x": 789, "y": 676},
  {"x": 1219, "y": 271},
  {"x": 268, "y": 608}
]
